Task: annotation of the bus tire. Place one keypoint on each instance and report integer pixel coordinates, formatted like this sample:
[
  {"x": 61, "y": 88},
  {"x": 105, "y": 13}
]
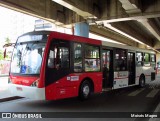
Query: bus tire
[
  {"x": 85, "y": 90},
  {"x": 142, "y": 82}
]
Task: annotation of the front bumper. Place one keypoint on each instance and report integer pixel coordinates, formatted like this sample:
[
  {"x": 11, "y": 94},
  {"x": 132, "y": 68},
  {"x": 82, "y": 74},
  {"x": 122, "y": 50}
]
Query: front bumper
[{"x": 27, "y": 91}]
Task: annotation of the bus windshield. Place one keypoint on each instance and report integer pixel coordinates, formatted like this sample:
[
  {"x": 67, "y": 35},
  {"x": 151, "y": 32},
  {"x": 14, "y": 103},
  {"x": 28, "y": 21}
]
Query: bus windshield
[{"x": 27, "y": 57}]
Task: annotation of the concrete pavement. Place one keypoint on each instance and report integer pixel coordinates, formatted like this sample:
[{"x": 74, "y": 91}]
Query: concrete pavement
[
  {"x": 5, "y": 94},
  {"x": 157, "y": 109}
]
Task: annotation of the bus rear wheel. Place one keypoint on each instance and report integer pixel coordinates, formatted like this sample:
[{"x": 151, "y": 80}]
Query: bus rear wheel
[
  {"x": 85, "y": 90},
  {"x": 142, "y": 82}
]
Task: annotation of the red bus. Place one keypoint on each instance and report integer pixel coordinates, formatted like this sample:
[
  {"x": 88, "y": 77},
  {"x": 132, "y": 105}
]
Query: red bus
[{"x": 49, "y": 65}]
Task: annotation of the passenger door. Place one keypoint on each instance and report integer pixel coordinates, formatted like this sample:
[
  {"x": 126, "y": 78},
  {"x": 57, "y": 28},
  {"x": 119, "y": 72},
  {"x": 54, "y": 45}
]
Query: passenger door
[
  {"x": 131, "y": 68},
  {"x": 58, "y": 61},
  {"x": 107, "y": 62}
]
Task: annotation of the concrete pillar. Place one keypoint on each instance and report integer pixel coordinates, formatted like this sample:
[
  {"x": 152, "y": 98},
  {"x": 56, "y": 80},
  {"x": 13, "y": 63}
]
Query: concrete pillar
[{"x": 81, "y": 29}]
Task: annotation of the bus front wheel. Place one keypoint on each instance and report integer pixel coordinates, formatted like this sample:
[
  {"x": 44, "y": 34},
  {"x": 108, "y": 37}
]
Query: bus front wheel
[
  {"x": 85, "y": 90},
  {"x": 142, "y": 81}
]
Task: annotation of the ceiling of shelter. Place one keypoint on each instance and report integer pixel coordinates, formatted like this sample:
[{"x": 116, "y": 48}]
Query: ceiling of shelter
[{"x": 133, "y": 22}]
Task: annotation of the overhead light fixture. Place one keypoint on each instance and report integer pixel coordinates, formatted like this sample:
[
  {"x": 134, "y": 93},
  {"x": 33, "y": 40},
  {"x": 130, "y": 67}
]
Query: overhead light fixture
[{"x": 123, "y": 33}]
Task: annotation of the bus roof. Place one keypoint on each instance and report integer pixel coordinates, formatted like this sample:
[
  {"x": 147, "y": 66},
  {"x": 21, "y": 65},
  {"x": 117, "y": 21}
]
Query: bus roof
[
  {"x": 36, "y": 32},
  {"x": 75, "y": 38},
  {"x": 131, "y": 48}
]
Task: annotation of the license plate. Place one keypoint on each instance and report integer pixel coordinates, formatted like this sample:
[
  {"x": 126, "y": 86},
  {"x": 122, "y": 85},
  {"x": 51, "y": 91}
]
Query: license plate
[{"x": 19, "y": 88}]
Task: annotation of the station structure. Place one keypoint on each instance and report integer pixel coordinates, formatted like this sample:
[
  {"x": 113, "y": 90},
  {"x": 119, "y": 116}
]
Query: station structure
[{"x": 132, "y": 22}]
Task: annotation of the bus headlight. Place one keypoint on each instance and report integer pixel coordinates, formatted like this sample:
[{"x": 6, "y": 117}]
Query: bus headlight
[{"x": 35, "y": 83}]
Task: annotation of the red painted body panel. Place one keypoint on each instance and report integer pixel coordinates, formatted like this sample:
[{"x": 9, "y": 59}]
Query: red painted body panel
[
  {"x": 64, "y": 88},
  {"x": 23, "y": 80},
  {"x": 41, "y": 83},
  {"x": 74, "y": 38}
]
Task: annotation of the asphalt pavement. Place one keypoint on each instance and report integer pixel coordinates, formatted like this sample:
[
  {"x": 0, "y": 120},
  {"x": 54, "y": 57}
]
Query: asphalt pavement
[{"x": 131, "y": 99}]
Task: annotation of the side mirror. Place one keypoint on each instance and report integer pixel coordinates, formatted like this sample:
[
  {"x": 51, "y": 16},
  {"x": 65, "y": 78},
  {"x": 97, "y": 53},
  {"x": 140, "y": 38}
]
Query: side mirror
[{"x": 4, "y": 54}]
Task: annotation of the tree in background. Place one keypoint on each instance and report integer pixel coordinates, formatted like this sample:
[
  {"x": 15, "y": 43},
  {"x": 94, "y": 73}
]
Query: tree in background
[
  {"x": 5, "y": 62},
  {"x": 7, "y": 41},
  {"x": 8, "y": 53},
  {"x": 1, "y": 55}
]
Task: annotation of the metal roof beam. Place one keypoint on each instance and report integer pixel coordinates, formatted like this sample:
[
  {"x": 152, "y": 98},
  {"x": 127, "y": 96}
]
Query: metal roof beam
[
  {"x": 84, "y": 8},
  {"x": 150, "y": 26}
]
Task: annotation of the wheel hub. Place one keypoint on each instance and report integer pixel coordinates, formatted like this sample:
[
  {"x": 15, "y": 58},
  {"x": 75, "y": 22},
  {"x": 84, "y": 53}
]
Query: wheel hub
[{"x": 86, "y": 90}]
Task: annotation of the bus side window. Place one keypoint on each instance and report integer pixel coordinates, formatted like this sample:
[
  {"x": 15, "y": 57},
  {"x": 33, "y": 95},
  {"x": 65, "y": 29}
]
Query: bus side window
[
  {"x": 153, "y": 59},
  {"x": 63, "y": 58},
  {"x": 139, "y": 58},
  {"x": 51, "y": 59},
  {"x": 58, "y": 56},
  {"x": 92, "y": 58},
  {"x": 77, "y": 57},
  {"x": 146, "y": 59},
  {"x": 120, "y": 60}
]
